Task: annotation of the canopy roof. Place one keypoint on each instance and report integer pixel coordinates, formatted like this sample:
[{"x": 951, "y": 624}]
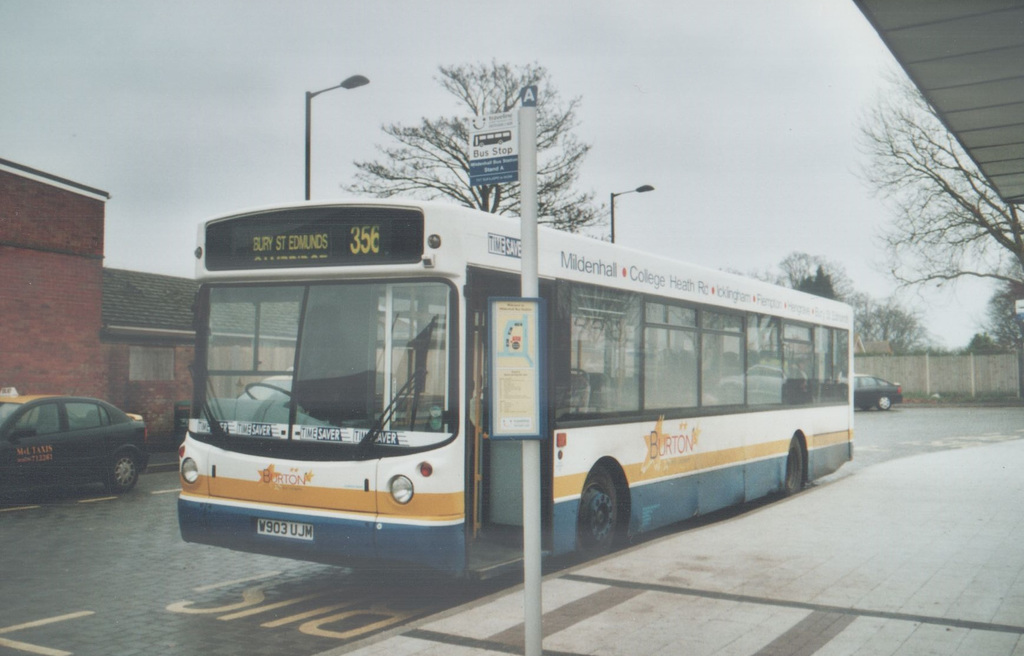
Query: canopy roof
[{"x": 967, "y": 57}]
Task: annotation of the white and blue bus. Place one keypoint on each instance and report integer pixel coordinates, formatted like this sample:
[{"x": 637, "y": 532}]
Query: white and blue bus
[{"x": 340, "y": 410}]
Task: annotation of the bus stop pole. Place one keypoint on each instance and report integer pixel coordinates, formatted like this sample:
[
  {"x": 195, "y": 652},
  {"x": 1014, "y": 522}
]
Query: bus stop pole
[{"x": 530, "y": 288}]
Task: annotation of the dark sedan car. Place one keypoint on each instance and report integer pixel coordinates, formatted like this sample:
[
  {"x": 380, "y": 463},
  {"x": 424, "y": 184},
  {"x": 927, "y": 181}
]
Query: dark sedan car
[
  {"x": 57, "y": 440},
  {"x": 874, "y": 392}
]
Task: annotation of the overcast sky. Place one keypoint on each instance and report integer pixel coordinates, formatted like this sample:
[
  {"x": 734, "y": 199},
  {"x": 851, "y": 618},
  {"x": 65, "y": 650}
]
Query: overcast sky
[{"x": 743, "y": 114}]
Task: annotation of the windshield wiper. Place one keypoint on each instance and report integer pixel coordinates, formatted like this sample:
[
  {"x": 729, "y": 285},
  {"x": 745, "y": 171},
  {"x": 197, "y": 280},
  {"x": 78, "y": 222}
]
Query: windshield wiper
[
  {"x": 389, "y": 411},
  {"x": 215, "y": 428},
  {"x": 420, "y": 346}
]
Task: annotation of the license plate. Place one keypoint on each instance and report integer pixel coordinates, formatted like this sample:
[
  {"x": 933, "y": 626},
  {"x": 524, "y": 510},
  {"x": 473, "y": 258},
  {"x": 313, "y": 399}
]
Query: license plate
[{"x": 284, "y": 529}]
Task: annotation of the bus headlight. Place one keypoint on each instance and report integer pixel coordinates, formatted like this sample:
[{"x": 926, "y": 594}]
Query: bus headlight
[
  {"x": 401, "y": 489},
  {"x": 189, "y": 470}
]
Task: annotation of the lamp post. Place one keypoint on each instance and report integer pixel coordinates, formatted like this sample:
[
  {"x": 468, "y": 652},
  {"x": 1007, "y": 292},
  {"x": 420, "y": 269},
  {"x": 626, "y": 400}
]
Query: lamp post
[
  {"x": 639, "y": 190},
  {"x": 349, "y": 83}
]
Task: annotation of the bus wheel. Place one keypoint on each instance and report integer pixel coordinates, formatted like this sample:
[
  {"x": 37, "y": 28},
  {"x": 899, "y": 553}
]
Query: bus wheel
[
  {"x": 794, "y": 468},
  {"x": 598, "y": 520}
]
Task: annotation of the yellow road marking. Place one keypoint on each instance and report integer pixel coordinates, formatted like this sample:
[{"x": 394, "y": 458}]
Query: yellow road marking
[
  {"x": 96, "y": 499},
  {"x": 48, "y": 620},
  {"x": 391, "y": 617},
  {"x": 32, "y": 649},
  {"x": 171, "y": 491},
  {"x": 256, "y": 577},
  {"x": 36, "y": 649},
  {"x": 309, "y": 613},
  {"x": 250, "y": 597},
  {"x": 19, "y": 508},
  {"x": 273, "y": 606}
]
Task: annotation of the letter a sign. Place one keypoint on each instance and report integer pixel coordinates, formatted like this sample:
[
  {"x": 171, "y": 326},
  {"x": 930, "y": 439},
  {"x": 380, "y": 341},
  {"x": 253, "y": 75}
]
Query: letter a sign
[{"x": 528, "y": 96}]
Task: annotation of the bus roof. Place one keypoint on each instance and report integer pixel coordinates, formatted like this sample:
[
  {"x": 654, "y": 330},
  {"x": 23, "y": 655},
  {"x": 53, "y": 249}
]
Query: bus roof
[{"x": 472, "y": 238}]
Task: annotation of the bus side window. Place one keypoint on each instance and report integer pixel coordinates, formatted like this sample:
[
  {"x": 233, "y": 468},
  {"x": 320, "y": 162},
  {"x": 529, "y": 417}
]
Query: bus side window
[
  {"x": 579, "y": 390},
  {"x": 606, "y": 328}
]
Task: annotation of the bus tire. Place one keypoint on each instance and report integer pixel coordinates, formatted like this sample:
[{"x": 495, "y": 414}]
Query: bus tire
[
  {"x": 597, "y": 524},
  {"x": 794, "y": 481}
]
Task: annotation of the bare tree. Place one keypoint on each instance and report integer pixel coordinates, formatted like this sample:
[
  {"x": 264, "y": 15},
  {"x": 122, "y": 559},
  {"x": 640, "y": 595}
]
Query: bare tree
[
  {"x": 800, "y": 271},
  {"x": 875, "y": 320},
  {"x": 950, "y": 223},
  {"x": 430, "y": 160},
  {"x": 888, "y": 321},
  {"x": 1000, "y": 320}
]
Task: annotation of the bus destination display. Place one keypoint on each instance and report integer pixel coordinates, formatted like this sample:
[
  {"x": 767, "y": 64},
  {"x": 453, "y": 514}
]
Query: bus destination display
[{"x": 315, "y": 237}]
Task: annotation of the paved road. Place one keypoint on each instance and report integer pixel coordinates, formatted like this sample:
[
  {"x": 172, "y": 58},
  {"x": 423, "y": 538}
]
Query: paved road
[
  {"x": 908, "y": 430},
  {"x": 88, "y": 574}
]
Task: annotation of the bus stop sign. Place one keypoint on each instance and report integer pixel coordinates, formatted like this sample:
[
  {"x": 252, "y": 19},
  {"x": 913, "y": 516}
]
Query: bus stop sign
[{"x": 494, "y": 149}]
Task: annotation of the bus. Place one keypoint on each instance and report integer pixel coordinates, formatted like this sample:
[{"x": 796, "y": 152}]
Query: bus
[{"x": 341, "y": 403}]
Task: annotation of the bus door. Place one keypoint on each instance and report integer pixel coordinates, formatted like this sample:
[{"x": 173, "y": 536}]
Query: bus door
[{"x": 495, "y": 467}]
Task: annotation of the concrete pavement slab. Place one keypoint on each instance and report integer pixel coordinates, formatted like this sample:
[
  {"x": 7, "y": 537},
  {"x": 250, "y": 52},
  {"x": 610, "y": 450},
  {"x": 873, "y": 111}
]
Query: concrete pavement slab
[{"x": 920, "y": 555}]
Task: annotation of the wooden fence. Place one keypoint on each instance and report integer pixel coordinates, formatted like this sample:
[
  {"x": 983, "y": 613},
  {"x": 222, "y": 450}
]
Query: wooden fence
[{"x": 924, "y": 375}]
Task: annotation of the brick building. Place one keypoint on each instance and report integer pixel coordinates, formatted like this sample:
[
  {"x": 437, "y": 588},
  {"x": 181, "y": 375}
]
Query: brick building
[
  {"x": 69, "y": 326},
  {"x": 148, "y": 342}
]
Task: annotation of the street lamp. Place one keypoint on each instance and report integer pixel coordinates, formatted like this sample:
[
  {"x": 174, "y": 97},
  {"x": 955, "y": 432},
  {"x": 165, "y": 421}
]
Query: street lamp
[
  {"x": 639, "y": 190},
  {"x": 349, "y": 83}
]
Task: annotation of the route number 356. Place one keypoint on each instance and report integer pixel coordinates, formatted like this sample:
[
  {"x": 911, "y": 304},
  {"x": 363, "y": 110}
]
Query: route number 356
[{"x": 364, "y": 240}]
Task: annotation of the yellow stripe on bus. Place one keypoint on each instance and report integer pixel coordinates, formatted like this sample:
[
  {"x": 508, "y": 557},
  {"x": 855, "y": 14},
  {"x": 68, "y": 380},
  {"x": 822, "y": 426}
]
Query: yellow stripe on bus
[
  {"x": 572, "y": 485},
  {"x": 829, "y": 439},
  {"x": 426, "y": 506}
]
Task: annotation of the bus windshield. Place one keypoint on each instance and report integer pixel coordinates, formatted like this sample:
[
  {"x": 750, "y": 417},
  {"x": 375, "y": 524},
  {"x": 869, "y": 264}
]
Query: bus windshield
[{"x": 362, "y": 364}]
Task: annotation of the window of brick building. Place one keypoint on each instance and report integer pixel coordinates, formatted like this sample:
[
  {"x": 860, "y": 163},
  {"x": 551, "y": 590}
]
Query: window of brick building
[{"x": 150, "y": 363}]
